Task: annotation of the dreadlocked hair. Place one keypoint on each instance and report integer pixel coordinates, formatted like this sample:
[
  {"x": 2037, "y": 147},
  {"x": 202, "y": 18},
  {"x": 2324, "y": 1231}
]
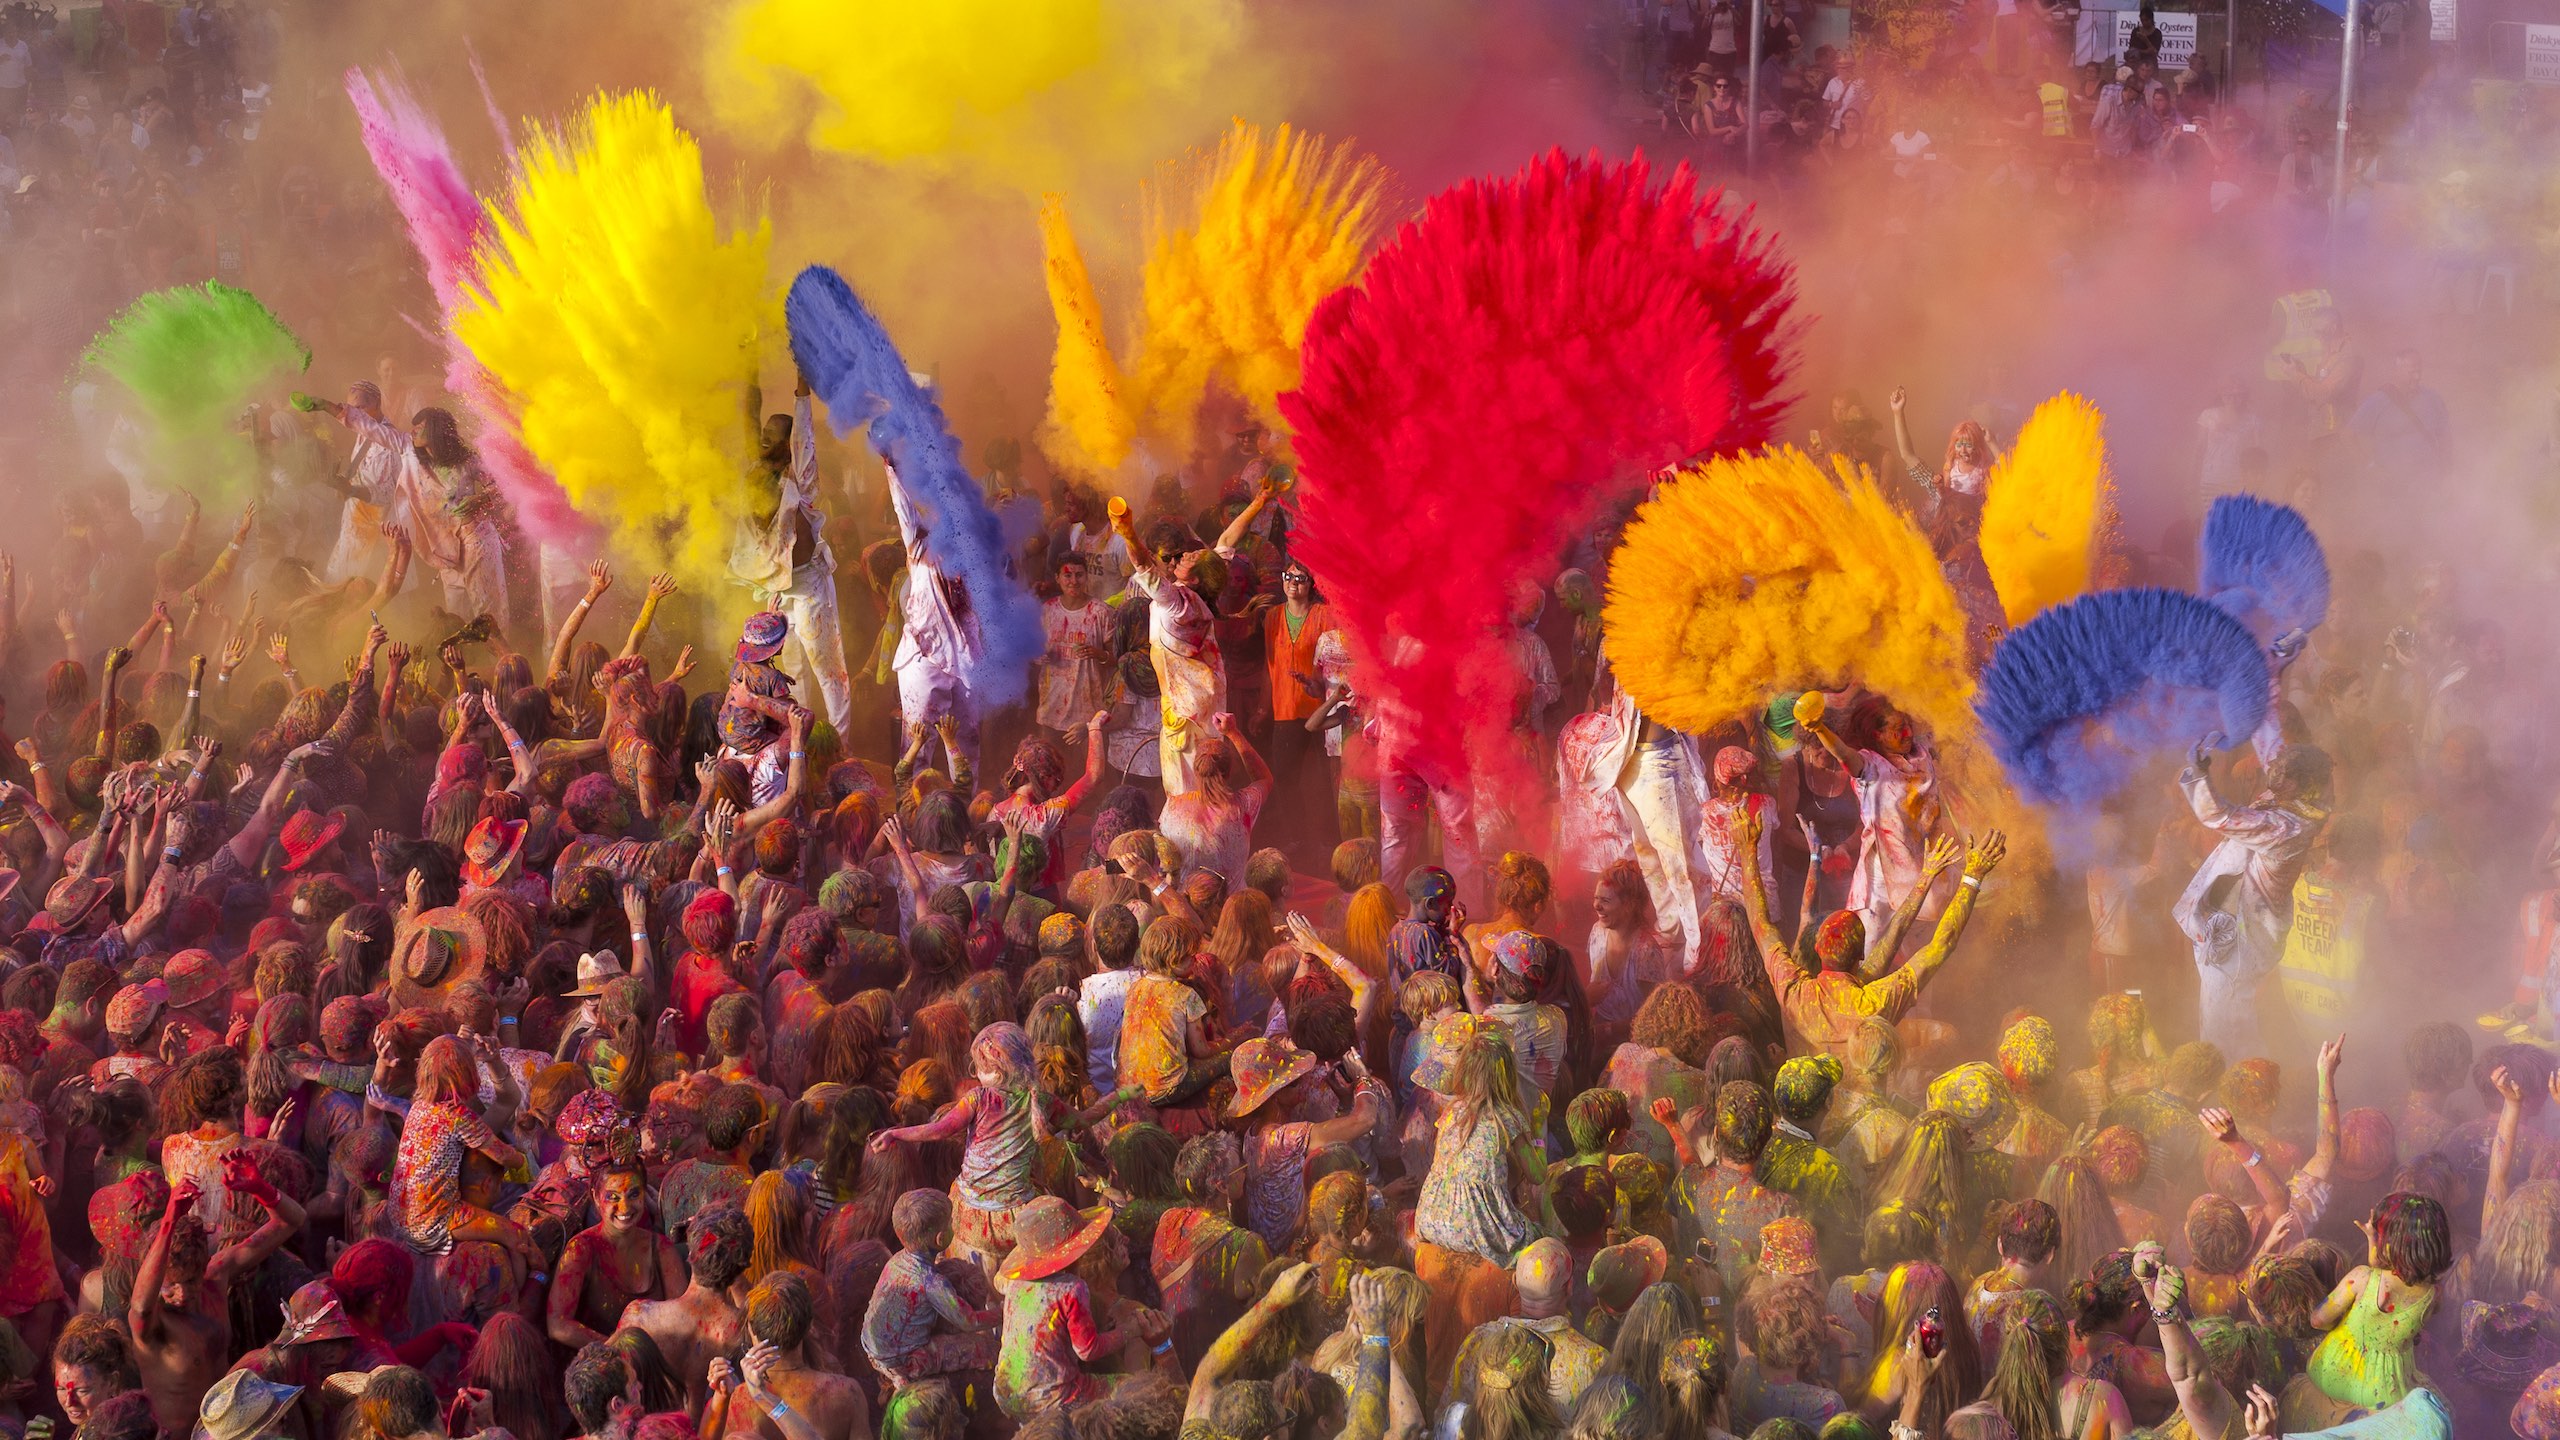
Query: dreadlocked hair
[{"x": 209, "y": 1086}]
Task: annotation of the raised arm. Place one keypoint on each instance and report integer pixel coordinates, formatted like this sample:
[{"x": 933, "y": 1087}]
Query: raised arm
[
  {"x": 246, "y": 846},
  {"x": 1256, "y": 768},
  {"x": 1253, "y": 509},
  {"x": 1897, "y": 992},
  {"x": 230, "y": 557},
  {"x": 1775, "y": 957},
  {"x": 284, "y": 1220},
  {"x": 1944, "y": 851},
  {"x": 180, "y": 558},
  {"x": 110, "y": 707},
  {"x": 661, "y": 585},
  {"x": 1809, "y": 710},
  {"x": 1095, "y": 755},
  {"x": 1902, "y": 430},
  {"x": 599, "y": 580},
  {"x": 142, "y": 1309},
  {"x": 1364, "y": 991},
  {"x": 2324, "y": 1150},
  {"x": 2502, "y": 1145},
  {"x": 2225, "y": 1131},
  {"x": 795, "y": 775},
  {"x": 1228, "y": 1352},
  {"x": 2207, "y": 1405},
  {"x": 192, "y": 713}
]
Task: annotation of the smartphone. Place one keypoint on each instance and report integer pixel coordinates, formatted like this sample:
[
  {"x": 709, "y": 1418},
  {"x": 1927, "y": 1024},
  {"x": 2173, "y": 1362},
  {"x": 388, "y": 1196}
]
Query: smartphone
[
  {"x": 1933, "y": 1333},
  {"x": 1706, "y": 1250}
]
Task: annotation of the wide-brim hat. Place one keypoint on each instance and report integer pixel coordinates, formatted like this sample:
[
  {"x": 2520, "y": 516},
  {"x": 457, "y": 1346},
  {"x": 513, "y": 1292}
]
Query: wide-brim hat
[
  {"x": 491, "y": 849},
  {"x": 314, "y": 1315},
  {"x": 134, "y": 1007},
  {"x": 762, "y": 636},
  {"x": 1263, "y": 1068},
  {"x": 349, "y": 1384},
  {"x": 442, "y": 945},
  {"x": 1050, "y": 1235},
  {"x": 596, "y": 970},
  {"x": 74, "y": 898},
  {"x": 193, "y": 977},
  {"x": 307, "y": 834},
  {"x": 241, "y": 1405}
]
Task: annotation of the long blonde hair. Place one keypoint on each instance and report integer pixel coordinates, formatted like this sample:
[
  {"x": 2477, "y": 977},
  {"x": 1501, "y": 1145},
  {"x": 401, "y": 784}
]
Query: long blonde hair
[
  {"x": 1483, "y": 1078},
  {"x": 1909, "y": 1293}
]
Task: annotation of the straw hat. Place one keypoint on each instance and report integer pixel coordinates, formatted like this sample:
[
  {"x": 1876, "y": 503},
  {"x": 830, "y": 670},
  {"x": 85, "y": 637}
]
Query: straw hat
[
  {"x": 1050, "y": 1235},
  {"x": 597, "y": 969},
  {"x": 1262, "y": 1069},
  {"x": 241, "y": 1405}
]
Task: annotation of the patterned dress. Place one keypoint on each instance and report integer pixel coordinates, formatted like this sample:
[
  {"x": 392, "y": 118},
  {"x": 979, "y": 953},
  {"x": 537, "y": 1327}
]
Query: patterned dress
[
  {"x": 1466, "y": 1201},
  {"x": 426, "y": 1178}
]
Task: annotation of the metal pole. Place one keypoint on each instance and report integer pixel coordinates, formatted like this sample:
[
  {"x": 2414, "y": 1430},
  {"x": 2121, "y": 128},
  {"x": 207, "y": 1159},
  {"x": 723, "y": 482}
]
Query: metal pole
[
  {"x": 2230, "y": 52},
  {"x": 2346, "y": 98},
  {"x": 1751, "y": 99}
]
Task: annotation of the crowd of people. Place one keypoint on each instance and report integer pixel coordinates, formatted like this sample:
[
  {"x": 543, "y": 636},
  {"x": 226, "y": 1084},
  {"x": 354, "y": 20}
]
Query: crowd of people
[{"x": 448, "y": 989}]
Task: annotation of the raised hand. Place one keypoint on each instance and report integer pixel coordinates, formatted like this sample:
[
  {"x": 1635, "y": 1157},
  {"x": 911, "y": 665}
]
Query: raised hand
[
  {"x": 599, "y": 578},
  {"x": 683, "y": 666},
  {"x": 280, "y": 650},
  {"x": 661, "y": 585},
  {"x": 1986, "y": 855},
  {"x": 2202, "y": 755},
  {"x": 1944, "y": 852},
  {"x": 2219, "y": 1124},
  {"x": 2331, "y": 1052}
]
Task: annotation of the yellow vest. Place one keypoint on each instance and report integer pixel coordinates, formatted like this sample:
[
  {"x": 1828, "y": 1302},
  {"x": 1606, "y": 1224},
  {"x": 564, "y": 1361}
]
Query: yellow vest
[
  {"x": 2057, "y": 110},
  {"x": 2324, "y": 951}
]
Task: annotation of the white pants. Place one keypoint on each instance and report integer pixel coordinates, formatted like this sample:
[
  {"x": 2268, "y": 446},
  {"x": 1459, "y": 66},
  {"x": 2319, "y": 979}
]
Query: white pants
[
  {"x": 480, "y": 586},
  {"x": 814, "y": 650},
  {"x": 1661, "y": 801},
  {"x": 1406, "y": 804}
]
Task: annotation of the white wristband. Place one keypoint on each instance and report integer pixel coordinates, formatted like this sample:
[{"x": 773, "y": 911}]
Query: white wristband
[
  {"x": 195, "y": 694},
  {"x": 1971, "y": 882}
]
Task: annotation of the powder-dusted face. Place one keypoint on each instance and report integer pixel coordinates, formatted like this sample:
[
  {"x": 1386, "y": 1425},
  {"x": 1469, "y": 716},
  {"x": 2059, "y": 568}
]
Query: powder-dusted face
[
  {"x": 621, "y": 1199},
  {"x": 78, "y": 1389}
]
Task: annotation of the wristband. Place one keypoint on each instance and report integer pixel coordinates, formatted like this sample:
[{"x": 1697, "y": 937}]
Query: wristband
[
  {"x": 194, "y": 694},
  {"x": 799, "y": 754},
  {"x": 1167, "y": 1346},
  {"x": 639, "y": 937},
  {"x": 776, "y": 1408},
  {"x": 1971, "y": 882},
  {"x": 34, "y": 765},
  {"x": 724, "y": 869},
  {"x": 2256, "y": 1158}
]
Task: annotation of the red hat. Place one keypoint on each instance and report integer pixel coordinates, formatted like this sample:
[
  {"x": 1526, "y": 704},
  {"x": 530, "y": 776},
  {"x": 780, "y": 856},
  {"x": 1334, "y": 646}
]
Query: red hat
[
  {"x": 135, "y": 1007},
  {"x": 193, "y": 977},
  {"x": 306, "y": 834},
  {"x": 1050, "y": 1235},
  {"x": 490, "y": 851}
]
